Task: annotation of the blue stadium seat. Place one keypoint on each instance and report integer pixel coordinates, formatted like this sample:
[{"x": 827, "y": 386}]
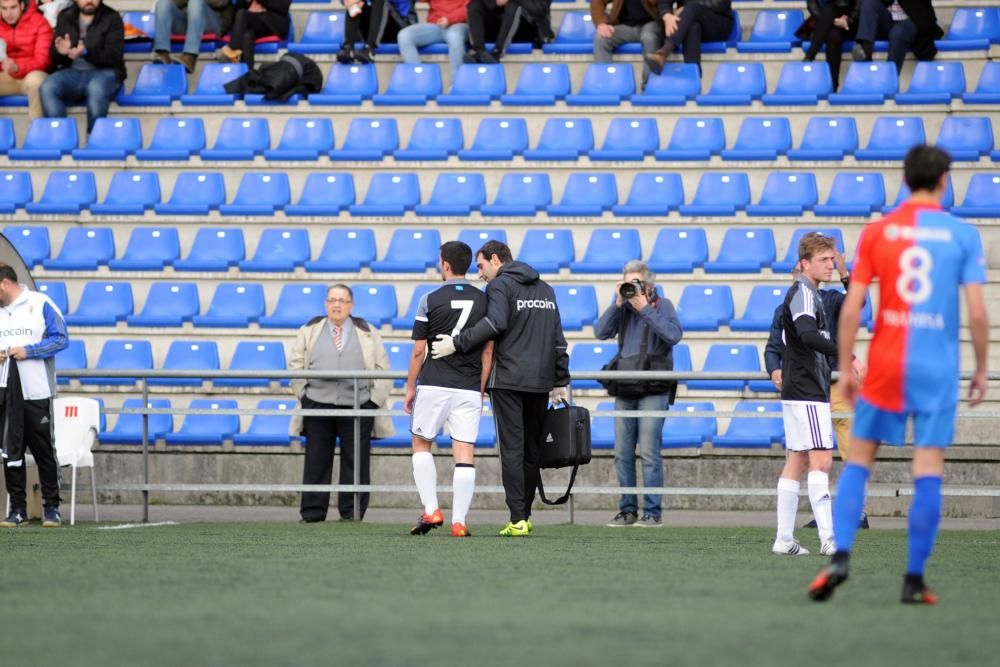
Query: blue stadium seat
[
  {"x": 259, "y": 194},
  {"x": 66, "y": 192},
  {"x": 827, "y": 138},
  {"x": 324, "y": 194},
  {"x": 587, "y": 194},
  {"x": 195, "y": 193},
  {"x": 347, "y": 85},
  {"x": 475, "y": 238},
  {"x": 389, "y": 194},
  {"x": 145, "y": 22},
  {"x": 130, "y": 193},
  {"x": 268, "y": 430},
  {"x": 168, "y": 304},
  {"x": 988, "y": 87},
  {"x": 892, "y": 137},
  {"x": 84, "y": 249},
  {"x": 867, "y": 83},
  {"x": 156, "y": 85},
  {"x": 689, "y": 431},
  {"x": 982, "y": 198},
  {"x": 792, "y": 255},
  {"x": 760, "y": 308},
  {"x": 801, "y": 84},
  {"x": 119, "y": 354},
  {"x": 345, "y": 251},
  {"x": 563, "y": 139},
  {"x": 947, "y": 199},
  {"x": 214, "y": 249},
  {"x": 590, "y": 357},
  {"x": 735, "y": 84},
  {"x": 254, "y": 356},
  {"x": 934, "y": 83},
  {"x": 723, "y": 357},
  {"x": 577, "y": 306},
  {"x": 475, "y": 85},
  {"x": 629, "y": 139},
  {"x": 547, "y": 250},
  {"x": 368, "y": 139},
  {"x": 653, "y": 194},
  {"x": 674, "y": 86},
  {"x": 753, "y": 432},
  {"x": 575, "y": 35},
  {"x": 604, "y": 84},
  {"x": 324, "y": 33},
  {"x": 761, "y": 139},
  {"x": 211, "y": 87},
  {"x": 539, "y": 85},
  {"x": 7, "y": 137},
  {"x": 602, "y": 429},
  {"x": 303, "y": 139},
  {"x": 375, "y": 303},
  {"x": 705, "y": 307},
  {"x": 102, "y": 304},
  {"x": 206, "y": 429},
  {"x": 175, "y": 139},
  {"x": 71, "y": 357},
  {"x": 56, "y": 291},
  {"x": 402, "y": 437},
  {"x": 608, "y": 250},
  {"x": 854, "y": 194},
  {"x": 149, "y": 249},
  {"x": 234, "y": 305},
  {"x": 773, "y": 32},
  {"x": 682, "y": 359},
  {"x": 694, "y": 139},
  {"x": 966, "y": 138},
  {"x": 455, "y": 194},
  {"x": 128, "y": 428},
  {"x": 47, "y": 139},
  {"x": 744, "y": 250},
  {"x": 279, "y": 250},
  {"x": 786, "y": 193},
  {"x": 399, "y": 360},
  {"x": 411, "y": 85},
  {"x": 719, "y": 194},
  {"x": 520, "y": 195},
  {"x": 297, "y": 304},
  {"x": 433, "y": 139},
  {"x": 678, "y": 250},
  {"x": 32, "y": 243},
  {"x": 111, "y": 139},
  {"x": 239, "y": 139},
  {"x": 972, "y": 29},
  {"x": 405, "y": 321},
  {"x": 15, "y": 190},
  {"x": 410, "y": 250},
  {"x": 498, "y": 139}
]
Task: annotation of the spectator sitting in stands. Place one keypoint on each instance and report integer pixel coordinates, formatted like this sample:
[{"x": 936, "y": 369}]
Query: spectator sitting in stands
[
  {"x": 26, "y": 36},
  {"x": 503, "y": 22},
  {"x": 192, "y": 18},
  {"x": 88, "y": 55},
  {"x": 688, "y": 23},
  {"x": 836, "y": 20},
  {"x": 628, "y": 21},
  {"x": 256, "y": 19},
  {"x": 907, "y": 24},
  {"x": 446, "y": 22},
  {"x": 372, "y": 23}
]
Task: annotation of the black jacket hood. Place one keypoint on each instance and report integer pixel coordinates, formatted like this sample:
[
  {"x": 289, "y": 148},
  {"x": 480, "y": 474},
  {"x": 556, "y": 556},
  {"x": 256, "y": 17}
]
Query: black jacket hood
[{"x": 520, "y": 272}]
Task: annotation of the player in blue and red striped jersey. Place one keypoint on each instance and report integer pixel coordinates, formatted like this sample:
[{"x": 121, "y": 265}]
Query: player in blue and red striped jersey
[{"x": 922, "y": 258}]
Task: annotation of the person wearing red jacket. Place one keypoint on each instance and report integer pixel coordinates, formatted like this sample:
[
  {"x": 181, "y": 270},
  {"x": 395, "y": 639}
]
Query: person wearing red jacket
[
  {"x": 446, "y": 22},
  {"x": 27, "y": 36}
]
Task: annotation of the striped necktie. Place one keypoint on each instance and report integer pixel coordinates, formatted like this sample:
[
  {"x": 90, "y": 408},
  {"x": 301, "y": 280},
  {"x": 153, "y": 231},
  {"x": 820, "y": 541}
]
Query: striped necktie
[{"x": 338, "y": 339}]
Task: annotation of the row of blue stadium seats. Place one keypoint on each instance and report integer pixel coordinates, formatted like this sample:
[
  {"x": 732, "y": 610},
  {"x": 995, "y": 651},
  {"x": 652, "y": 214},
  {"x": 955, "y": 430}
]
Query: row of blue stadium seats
[
  {"x": 966, "y": 138},
  {"x": 785, "y": 193}
]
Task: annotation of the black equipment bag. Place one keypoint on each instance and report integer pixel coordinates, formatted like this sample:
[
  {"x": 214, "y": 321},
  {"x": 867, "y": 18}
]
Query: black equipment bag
[{"x": 565, "y": 443}]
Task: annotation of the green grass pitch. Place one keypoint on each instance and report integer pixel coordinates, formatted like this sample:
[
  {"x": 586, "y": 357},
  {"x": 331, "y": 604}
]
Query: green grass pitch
[{"x": 370, "y": 594}]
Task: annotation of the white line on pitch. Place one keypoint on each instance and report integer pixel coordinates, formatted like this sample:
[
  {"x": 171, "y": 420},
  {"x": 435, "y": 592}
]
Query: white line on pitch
[{"x": 123, "y": 526}]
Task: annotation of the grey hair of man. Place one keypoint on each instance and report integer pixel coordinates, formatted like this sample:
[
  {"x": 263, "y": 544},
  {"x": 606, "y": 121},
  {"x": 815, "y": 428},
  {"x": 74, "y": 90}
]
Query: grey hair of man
[{"x": 639, "y": 266}]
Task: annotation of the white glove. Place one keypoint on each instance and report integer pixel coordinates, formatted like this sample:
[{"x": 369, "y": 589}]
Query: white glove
[
  {"x": 558, "y": 395},
  {"x": 443, "y": 347}
]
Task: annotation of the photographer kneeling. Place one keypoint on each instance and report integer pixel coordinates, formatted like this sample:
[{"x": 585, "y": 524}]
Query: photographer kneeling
[{"x": 647, "y": 328}]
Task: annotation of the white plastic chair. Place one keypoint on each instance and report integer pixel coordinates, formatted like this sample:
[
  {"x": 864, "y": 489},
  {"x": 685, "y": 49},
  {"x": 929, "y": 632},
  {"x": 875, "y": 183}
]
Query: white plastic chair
[{"x": 76, "y": 422}]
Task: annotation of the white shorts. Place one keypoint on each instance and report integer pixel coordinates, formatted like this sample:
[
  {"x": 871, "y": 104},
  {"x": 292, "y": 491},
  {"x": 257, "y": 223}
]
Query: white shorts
[
  {"x": 808, "y": 425},
  {"x": 434, "y": 407}
]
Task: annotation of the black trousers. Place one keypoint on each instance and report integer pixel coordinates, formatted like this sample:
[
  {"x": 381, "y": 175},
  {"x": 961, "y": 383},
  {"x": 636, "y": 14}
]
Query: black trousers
[
  {"x": 38, "y": 441},
  {"x": 501, "y": 25},
  {"x": 699, "y": 24},
  {"x": 520, "y": 418},
  {"x": 829, "y": 34},
  {"x": 322, "y": 435},
  {"x": 248, "y": 27},
  {"x": 378, "y": 22}
]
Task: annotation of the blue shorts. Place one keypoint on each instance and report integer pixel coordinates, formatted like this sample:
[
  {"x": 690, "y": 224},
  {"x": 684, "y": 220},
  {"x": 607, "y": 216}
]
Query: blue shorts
[{"x": 930, "y": 429}]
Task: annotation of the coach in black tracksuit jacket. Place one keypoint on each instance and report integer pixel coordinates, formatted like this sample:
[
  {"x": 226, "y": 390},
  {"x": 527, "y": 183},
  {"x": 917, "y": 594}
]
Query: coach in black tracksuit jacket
[{"x": 529, "y": 361}]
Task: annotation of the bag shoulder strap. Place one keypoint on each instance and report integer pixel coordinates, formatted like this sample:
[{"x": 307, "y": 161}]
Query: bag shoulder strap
[{"x": 561, "y": 500}]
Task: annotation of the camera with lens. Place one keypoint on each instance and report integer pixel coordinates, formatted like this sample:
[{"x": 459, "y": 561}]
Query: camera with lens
[{"x": 631, "y": 288}]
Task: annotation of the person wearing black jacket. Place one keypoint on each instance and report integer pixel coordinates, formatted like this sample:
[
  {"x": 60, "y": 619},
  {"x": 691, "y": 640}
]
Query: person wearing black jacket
[
  {"x": 530, "y": 365},
  {"x": 503, "y": 22},
  {"x": 909, "y": 25},
  {"x": 256, "y": 19},
  {"x": 688, "y": 23},
  {"x": 88, "y": 58},
  {"x": 836, "y": 20}
]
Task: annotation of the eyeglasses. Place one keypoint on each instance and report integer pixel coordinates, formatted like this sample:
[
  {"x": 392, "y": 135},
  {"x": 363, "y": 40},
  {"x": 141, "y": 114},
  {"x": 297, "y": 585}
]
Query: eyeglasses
[{"x": 339, "y": 301}]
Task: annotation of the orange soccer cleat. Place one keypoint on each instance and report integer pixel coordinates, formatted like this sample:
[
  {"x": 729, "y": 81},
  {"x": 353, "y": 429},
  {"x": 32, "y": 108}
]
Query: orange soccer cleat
[
  {"x": 460, "y": 530},
  {"x": 427, "y": 522}
]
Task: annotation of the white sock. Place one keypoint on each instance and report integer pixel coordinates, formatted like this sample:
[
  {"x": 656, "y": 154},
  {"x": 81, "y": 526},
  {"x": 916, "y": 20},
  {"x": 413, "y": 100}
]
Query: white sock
[
  {"x": 464, "y": 485},
  {"x": 819, "y": 498},
  {"x": 425, "y": 475},
  {"x": 788, "y": 505}
]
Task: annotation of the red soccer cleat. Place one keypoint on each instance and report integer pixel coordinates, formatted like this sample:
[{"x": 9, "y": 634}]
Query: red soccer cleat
[
  {"x": 427, "y": 522},
  {"x": 460, "y": 530}
]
